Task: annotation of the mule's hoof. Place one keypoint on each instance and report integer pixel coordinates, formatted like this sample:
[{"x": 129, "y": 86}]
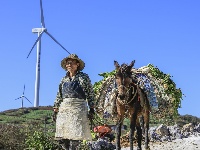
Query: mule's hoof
[{"x": 148, "y": 148}]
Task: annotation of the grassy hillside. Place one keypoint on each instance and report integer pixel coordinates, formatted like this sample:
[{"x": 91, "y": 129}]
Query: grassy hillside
[{"x": 26, "y": 115}]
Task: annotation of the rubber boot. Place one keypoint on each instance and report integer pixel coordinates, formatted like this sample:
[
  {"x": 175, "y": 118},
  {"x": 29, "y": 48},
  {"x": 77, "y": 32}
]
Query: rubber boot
[
  {"x": 74, "y": 144},
  {"x": 65, "y": 144}
]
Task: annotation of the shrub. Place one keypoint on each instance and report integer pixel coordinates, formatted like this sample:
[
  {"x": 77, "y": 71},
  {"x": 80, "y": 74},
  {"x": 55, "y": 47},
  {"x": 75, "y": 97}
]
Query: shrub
[
  {"x": 40, "y": 141},
  {"x": 12, "y": 137}
]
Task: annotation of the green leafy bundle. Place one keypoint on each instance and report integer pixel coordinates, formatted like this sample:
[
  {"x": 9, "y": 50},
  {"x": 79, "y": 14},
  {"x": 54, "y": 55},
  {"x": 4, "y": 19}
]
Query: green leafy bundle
[{"x": 168, "y": 96}]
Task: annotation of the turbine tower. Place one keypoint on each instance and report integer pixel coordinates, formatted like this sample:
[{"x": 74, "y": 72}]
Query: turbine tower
[
  {"x": 22, "y": 98},
  {"x": 40, "y": 32}
]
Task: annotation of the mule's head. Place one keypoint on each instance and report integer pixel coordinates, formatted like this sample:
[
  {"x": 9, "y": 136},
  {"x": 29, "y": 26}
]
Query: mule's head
[{"x": 123, "y": 78}]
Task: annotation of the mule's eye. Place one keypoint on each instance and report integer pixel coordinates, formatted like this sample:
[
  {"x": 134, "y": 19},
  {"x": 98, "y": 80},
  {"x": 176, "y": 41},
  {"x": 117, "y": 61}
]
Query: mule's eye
[{"x": 116, "y": 77}]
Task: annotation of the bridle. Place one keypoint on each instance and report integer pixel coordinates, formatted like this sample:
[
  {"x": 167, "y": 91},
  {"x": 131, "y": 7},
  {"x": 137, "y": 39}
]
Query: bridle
[{"x": 126, "y": 100}]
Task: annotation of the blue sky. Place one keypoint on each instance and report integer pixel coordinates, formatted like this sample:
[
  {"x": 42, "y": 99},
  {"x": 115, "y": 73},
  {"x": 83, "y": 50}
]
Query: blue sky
[{"x": 165, "y": 33}]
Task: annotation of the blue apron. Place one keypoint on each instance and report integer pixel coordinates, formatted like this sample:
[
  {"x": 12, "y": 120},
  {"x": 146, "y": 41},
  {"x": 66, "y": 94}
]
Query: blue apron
[{"x": 73, "y": 90}]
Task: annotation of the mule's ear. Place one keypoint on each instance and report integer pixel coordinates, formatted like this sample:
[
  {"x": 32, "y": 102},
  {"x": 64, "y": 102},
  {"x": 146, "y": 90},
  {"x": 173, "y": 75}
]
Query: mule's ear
[
  {"x": 116, "y": 65},
  {"x": 132, "y": 64}
]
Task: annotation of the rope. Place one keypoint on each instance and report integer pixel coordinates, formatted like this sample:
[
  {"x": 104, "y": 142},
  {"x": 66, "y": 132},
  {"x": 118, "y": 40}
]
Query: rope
[{"x": 124, "y": 103}]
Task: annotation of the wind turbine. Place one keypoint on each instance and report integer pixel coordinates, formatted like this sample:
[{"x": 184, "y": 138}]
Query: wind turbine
[
  {"x": 22, "y": 98},
  {"x": 40, "y": 32}
]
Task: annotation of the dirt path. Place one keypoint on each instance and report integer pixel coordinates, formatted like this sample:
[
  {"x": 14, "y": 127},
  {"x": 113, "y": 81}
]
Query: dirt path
[{"x": 191, "y": 143}]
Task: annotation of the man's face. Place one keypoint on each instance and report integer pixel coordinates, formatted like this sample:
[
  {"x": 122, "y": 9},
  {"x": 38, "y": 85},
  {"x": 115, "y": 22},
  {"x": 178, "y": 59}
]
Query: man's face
[{"x": 72, "y": 65}]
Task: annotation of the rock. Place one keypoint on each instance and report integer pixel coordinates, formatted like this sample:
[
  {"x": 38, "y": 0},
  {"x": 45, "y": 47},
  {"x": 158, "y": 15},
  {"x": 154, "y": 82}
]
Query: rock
[
  {"x": 179, "y": 136},
  {"x": 162, "y": 130},
  {"x": 188, "y": 127},
  {"x": 197, "y": 128},
  {"x": 174, "y": 130}
]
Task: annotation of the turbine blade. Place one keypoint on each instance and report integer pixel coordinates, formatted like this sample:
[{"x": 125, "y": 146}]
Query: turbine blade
[
  {"x": 56, "y": 41},
  {"x": 27, "y": 99},
  {"x": 18, "y": 98},
  {"x": 24, "y": 89},
  {"x": 42, "y": 15},
  {"x": 39, "y": 37}
]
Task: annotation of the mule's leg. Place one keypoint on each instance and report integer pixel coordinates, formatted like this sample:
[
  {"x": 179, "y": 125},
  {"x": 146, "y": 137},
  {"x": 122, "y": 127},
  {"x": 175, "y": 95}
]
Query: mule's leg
[
  {"x": 118, "y": 134},
  {"x": 139, "y": 134},
  {"x": 132, "y": 129},
  {"x": 142, "y": 123},
  {"x": 120, "y": 112},
  {"x": 146, "y": 127}
]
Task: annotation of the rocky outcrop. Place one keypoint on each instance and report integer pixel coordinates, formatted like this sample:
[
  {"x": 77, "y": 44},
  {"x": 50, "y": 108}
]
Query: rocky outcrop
[
  {"x": 169, "y": 133},
  {"x": 164, "y": 133}
]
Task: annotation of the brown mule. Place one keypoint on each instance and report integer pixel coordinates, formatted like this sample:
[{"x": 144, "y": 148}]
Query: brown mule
[{"x": 131, "y": 102}]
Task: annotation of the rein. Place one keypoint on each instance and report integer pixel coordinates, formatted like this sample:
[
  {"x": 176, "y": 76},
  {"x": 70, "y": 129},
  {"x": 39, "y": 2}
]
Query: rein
[{"x": 124, "y": 102}]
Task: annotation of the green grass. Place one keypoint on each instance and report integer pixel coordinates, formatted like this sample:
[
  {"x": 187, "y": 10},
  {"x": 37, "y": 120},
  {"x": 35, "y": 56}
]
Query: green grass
[{"x": 37, "y": 114}]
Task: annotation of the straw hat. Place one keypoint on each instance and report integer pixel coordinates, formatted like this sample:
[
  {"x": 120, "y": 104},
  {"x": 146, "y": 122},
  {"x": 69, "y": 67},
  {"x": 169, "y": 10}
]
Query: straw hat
[{"x": 75, "y": 57}]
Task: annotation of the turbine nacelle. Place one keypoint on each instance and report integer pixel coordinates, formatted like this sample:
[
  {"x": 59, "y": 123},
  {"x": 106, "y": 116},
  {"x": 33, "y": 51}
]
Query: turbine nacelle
[{"x": 38, "y": 30}]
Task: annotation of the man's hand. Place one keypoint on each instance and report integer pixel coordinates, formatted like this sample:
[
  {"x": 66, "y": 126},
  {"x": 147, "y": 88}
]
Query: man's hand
[
  {"x": 55, "y": 109},
  {"x": 54, "y": 116}
]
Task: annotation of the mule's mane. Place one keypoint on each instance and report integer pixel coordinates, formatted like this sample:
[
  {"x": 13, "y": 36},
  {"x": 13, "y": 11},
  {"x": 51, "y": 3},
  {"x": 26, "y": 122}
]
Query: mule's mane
[{"x": 124, "y": 69}]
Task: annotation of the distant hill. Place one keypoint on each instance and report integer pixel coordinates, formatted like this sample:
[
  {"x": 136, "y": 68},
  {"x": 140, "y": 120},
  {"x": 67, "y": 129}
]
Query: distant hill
[
  {"x": 44, "y": 113},
  {"x": 26, "y": 115}
]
